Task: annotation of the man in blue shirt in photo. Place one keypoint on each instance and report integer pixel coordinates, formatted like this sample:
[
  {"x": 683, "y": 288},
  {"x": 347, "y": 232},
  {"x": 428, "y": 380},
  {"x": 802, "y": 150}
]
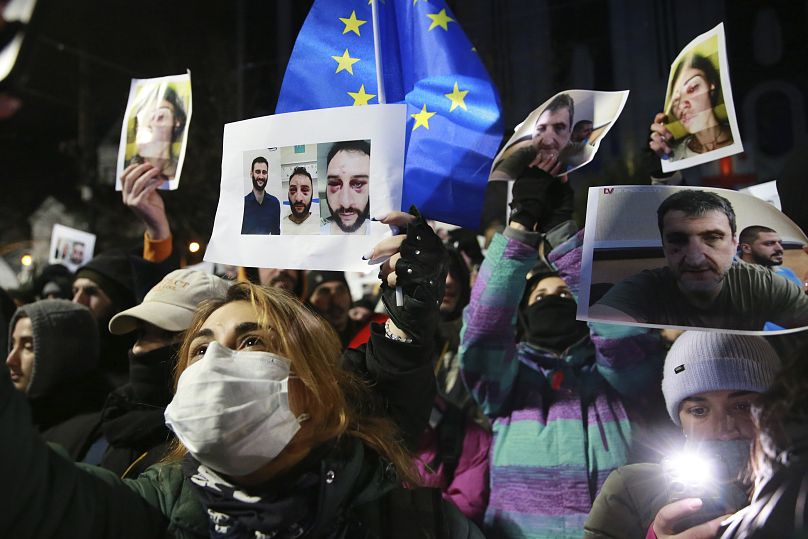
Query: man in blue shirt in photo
[{"x": 262, "y": 211}]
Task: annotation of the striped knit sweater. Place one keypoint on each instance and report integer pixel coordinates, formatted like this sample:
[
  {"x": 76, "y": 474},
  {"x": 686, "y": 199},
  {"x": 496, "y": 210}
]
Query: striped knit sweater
[{"x": 552, "y": 449}]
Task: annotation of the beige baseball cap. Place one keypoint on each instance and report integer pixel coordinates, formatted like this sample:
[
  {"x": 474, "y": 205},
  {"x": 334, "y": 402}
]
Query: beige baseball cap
[{"x": 171, "y": 304}]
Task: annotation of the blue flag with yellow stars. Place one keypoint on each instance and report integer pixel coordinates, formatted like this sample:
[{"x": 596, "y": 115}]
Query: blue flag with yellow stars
[{"x": 454, "y": 125}]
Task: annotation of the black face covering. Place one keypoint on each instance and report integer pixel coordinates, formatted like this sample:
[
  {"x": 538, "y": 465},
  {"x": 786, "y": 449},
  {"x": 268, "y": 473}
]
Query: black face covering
[
  {"x": 150, "y": 374},
  {"x": 551, "y": 323}
]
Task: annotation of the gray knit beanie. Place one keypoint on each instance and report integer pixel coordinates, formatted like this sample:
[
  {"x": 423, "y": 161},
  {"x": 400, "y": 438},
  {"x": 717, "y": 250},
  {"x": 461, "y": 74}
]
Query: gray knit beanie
[{"x": 702, "y": 361}]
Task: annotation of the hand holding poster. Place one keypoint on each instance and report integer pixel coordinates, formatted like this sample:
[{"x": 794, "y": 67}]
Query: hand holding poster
[
  {"x": 686, "y": 257},
  {"x": 299, "y": 190},
  {"x": 70, "y": 247},
  {"x": 155, "y": 128},
  {"x": 698, "y": 124},
  {"x": 561, "y": 135}
]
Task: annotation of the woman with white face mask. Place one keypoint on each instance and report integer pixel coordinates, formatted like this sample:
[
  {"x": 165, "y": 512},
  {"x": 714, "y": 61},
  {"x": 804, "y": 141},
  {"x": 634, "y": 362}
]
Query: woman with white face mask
[
  {"x": 710, "y": 382},
  {"x": 279, "y": 435}
]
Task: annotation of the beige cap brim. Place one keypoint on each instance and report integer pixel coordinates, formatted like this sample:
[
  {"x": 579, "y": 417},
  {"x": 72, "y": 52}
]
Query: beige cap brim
[{"x": 163, "y": 315}]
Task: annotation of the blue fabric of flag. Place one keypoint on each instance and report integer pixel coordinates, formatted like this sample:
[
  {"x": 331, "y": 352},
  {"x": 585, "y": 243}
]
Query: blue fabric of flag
[{"x": 454, "y": 124}]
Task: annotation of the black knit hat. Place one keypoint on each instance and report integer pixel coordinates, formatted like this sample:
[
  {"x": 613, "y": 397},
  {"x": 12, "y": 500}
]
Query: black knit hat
[
  {"x": 112, "y": 272},
  {"x": 315, "y": 278}
]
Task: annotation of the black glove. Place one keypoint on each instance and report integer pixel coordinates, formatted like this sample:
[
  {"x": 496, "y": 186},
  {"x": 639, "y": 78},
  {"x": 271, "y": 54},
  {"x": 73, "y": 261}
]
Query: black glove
[
  {"x": 421, "y": 273},
  {"x": 529, "y": 197},
  {"x": 558, "y": 206}
]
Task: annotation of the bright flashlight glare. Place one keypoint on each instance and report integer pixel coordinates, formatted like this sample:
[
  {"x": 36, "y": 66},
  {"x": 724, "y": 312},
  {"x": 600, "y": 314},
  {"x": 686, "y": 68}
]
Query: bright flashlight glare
[
  {"x": 194, "y": 246},
  {"x": 26, "y": 260},
  {"x": 690, "y": 468}
]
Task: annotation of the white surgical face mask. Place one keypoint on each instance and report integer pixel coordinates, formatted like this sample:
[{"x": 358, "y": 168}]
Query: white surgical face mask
[{"x": 231, "y": 410}]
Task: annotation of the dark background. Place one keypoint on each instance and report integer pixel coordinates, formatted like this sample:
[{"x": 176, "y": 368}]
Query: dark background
[{"x": 78, "y": 57}]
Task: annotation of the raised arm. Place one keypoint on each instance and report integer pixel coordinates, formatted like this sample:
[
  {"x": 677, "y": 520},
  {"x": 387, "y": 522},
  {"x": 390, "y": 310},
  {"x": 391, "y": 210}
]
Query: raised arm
[{"x": 398, "y": 357}]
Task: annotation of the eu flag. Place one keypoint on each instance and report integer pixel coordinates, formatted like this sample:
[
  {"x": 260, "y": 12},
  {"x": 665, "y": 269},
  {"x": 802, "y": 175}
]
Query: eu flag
[{"x": 454, "y": 127}]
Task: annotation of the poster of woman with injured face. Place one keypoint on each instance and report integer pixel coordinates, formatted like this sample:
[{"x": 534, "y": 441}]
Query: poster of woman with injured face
[
  {"x": 155, "y": 127},
  {"x": 692, "y": 258},
  {"x": 698, "y": 123},
  {"x": 561, "y": 135}
]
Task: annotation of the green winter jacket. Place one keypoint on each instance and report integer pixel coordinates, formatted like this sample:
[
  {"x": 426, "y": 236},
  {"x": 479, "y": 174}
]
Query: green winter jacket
[
  {"x": 627, "y": 503},
  {"x": 47, "y": 495}
]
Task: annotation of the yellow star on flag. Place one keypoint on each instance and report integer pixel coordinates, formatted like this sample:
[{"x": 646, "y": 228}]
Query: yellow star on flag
[
  {"x": 439, "y": 19},
  {"x": 345, "y": 62},
  {"x": 422, "y": 118},
  {"x": 360, "y": 97},
  {"x": 456, "y": 97},
  {"x": 352, "y": 24}
]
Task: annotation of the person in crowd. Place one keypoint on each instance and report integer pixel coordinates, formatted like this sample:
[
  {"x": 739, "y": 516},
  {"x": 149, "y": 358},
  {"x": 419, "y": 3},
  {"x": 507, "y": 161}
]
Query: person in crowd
[
  {"x": 453, "y": 452},
  {"x": 779, "y": 506},
  {"x": 561, "y": 399},
  {"x": 695, "y": 93},
  {"x": 324, "y": 455},
  {"x": 55, "y": 281},
  {"x": 131, "y": 433},
  {"x": 158, "y": 124},
  {"x": 348, "y": 188},
  {"x": 711, "y": 380},
  {"x": 292, "y": 280},
  {"x": 262, "y": 211},
  {"x": 330, "y": 296},
  {"x": 53, "y": 360},
  {"x": 703, "y": 284},
  {"x": 105, "y": 285},
  {"x": 301, "y": 194}
]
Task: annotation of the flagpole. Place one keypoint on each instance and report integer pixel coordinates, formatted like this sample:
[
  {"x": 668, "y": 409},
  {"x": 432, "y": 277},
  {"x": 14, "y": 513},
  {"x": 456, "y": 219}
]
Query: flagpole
[{"x": 377, "y": 48}]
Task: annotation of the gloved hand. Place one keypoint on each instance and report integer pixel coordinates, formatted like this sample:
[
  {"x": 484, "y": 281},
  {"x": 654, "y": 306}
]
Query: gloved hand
[
  {"x": 558, "y": 206},
  {"x": 529, "y": 198},
  {"x": 421, "y": 273}
]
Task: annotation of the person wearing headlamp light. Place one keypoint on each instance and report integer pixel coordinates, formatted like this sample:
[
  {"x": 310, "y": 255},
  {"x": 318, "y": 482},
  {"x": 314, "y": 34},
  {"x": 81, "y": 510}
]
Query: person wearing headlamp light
[{"x": 710, "y": 382}]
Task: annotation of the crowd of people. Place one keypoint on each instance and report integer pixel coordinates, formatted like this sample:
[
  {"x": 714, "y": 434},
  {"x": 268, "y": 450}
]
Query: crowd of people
[{"x": 141, "y": 399}]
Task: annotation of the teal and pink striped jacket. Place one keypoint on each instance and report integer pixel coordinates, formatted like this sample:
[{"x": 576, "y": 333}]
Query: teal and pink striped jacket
[{"x": 552, "y": 449}]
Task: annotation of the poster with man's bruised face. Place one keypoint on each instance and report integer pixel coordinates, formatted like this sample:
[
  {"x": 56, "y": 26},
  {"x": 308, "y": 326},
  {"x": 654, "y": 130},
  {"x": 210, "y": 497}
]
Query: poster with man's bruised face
[
  {"x": 692, "y": 258},
  {"x": 155, "y": 128},
  {"x": 301, "y": 190},
  {"x": 561, "y": 135}
]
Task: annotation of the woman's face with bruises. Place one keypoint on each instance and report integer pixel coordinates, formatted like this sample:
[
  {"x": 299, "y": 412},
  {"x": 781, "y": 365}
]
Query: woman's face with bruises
[
  {"x": 691, "y": 101},
  {"x": 155, "y": 128}
]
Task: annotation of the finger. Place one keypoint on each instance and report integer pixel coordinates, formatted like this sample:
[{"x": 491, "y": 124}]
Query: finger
[
  {"x": 669, "y": 514},
  {"x": 387, "y": 247},
  {"x": 389, "y": 272},
  {"x": 134, "y": 172},
  {"x": 148, "y": 179},
  {"x": 660, "y": 118},
  {"x": 660, "y": 130},
  {"x": 396, "y": 218},
  {"x": 556, "y": 170}
]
